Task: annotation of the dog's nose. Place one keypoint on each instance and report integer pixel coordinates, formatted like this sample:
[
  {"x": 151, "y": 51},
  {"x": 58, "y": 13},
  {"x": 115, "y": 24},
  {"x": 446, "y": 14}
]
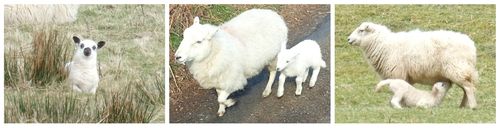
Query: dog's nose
[
  {"x": 86, "y": 51},
  {"x": 178, "y": 57},
  {"x": 278, "y": 69}
]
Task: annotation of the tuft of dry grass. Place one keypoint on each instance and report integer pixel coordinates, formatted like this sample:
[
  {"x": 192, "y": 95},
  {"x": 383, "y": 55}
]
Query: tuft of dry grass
[{"x": 40, "y": 66}]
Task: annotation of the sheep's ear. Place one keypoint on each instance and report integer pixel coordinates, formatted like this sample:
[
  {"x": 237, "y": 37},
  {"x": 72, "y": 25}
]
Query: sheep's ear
[
  {"x": 100, "y": 44},
  {"x": 368, "y": 28},
  {"x": 196, "y": 20},
  {"x": 76, "y": 39},
  {"x": 211, "y": 33},
  {"x": 283, "y": 46}
]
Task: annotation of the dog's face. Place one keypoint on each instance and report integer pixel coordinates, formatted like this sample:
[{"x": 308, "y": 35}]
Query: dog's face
[{"x": 87, "y": 48}]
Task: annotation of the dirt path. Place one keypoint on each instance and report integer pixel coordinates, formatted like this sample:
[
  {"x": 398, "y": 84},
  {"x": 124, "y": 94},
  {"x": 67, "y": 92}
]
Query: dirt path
[{"x": 311, "y": 107}]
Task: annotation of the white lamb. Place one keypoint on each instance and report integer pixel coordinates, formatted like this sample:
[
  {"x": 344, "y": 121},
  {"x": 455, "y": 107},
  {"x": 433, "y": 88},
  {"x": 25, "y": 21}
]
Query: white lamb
[
  {"x": 296, "y": 61},
  {"x": 223, "y": 57},
  {"x": 40, "y": 14},
  {"x": 420, "y": 57},
  {"x": 410, "y": 96}
]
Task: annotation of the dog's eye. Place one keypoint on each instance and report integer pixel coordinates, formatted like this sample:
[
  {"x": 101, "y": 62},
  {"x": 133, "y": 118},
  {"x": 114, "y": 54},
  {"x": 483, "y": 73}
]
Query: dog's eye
[
  {"x": 81, "y": 46},
  {"x": 198, "y": 42},
  {"x": 287, "y": 61},
  {"x": 93, "y": 47}
]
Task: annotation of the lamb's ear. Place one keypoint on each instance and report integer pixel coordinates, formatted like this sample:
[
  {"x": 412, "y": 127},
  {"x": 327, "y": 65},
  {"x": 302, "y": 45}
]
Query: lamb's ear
[
  {"x": 100, "y": 44},
  {"x": 76, "y": 39},
  {"x": 196, "y": 20},
  {"x": 434, "y": 91},
  {"x": 295, "y": 54}
]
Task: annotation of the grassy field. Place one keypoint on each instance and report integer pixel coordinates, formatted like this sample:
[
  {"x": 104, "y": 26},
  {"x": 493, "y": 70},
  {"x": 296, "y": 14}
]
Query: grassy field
[
  {"x": 132, "y": 83},
  {"x": 355, "y": 100}
]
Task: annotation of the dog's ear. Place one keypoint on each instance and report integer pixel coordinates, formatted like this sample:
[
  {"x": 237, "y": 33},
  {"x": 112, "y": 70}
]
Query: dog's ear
[
  {"x": 76, "y": 39},
  {"x": 100, "y": 44}
]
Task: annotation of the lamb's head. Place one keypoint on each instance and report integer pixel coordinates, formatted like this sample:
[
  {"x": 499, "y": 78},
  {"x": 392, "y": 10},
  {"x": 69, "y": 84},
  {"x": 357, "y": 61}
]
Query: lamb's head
[
  {"x": 440, "y": 88},
  {"x": 285, "y": 57},
  {"x": 365, "y": 30},
  {"x": 87, "y": 49},
  {"x": 195, "y": 45}
]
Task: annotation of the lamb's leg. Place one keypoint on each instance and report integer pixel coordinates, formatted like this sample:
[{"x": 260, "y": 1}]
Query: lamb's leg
[
  {"x": 272, "y": 75},
  {"x": 314, "y": 76},
  {"x": 223, "y": 101},
  {"x": 298, "y": 81},
  {"x": 281, "y": 82},
  {"x": 396, "y": 100},
  {"x": 76, "y": 88}
]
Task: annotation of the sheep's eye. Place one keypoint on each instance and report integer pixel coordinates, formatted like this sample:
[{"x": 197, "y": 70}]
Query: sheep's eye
[
  {"x": 361, "y": 30},
  {"x": 199, "y": 42},
  {"x": 81, "y": 46},
  {"x": 93, "y": 47}
]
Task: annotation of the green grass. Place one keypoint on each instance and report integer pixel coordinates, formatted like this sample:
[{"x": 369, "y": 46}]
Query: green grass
[
  {"x": 132, "y": 84},
  {"x": 355, "y": 100}
]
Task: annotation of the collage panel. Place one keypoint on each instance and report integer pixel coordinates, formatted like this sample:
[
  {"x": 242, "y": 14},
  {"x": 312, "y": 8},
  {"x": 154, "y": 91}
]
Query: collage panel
[
  {"x": 84, "y": 63},
  {"x": 227, "y": 62},
  {"x": 438, "y": 62}
]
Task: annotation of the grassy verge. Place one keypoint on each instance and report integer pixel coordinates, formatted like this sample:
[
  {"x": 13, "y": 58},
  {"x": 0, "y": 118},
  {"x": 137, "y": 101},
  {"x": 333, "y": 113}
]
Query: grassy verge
[
  {"x": 131, "y": 87},
  {"x": 354, "y": 97}
]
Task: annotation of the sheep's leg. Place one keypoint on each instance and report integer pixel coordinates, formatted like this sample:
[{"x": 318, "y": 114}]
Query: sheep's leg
[
  {"x": 223, "y": 101},
  {"x": 469, "y": 99},
  {"x": 306, "y": 75},
  {"x": 281, "y": 82},
  {"x": 94, "y": 89},
  {"x": 396, "y": 100},
  {"x": 314, "y": 76},
  {"x": 272, "y": 75},
  {"x": 298, "y": 81}
]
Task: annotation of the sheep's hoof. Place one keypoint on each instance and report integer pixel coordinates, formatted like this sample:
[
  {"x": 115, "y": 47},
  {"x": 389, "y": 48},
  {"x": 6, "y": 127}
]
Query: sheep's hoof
[
  {"x": 220, "y": 114},
  {"x": 266, "y": 93},
  {"x": 298, "y": 93},
  {"x": 230, "y": 102},
  {"x": 279, "y": 94}
]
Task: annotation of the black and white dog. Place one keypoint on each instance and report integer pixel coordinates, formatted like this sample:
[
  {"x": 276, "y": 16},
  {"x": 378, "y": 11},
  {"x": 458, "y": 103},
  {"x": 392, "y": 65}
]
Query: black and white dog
[{"x": 83, "y": 74}]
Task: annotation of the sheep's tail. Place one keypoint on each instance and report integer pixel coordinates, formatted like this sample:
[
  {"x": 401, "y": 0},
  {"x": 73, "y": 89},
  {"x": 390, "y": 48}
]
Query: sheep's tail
[
  {"x": 323, "y": 64},
  {"x": 382, "y": 83}
]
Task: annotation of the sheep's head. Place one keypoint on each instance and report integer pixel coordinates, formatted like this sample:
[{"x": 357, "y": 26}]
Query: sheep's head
[
  {"x": 285, "y": 57},
  {"x": 195, "y": 44},
  {"x": 364, "y": 30}
]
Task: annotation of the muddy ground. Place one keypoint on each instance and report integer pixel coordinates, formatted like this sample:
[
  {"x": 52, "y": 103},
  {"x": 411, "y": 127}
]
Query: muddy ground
[{"x": 191, "y": 104}]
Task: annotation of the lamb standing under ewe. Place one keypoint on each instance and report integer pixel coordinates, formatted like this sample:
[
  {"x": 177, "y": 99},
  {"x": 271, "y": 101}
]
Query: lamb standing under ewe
[
  {"x": 223, "y": 57},
  {"x": 296, "y": 62},
  {"x": 410, "y": 96},
  {"x": 420, "y": 57}
]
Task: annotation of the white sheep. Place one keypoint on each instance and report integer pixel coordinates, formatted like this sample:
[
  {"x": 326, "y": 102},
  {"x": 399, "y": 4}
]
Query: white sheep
[
  {"x": 40, "y": 14},
  {"x": 420, "y": 57},
  {"x": 296, "y": 61},
  {"x": 410, "y": 96},
  {"x": 223, "y": 57}
]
